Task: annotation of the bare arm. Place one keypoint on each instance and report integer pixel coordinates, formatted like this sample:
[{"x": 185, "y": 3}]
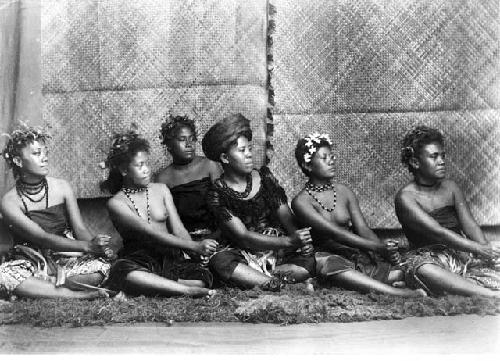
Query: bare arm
[
  {"x": 358, "y": 220},
  {"x": 469, "y": 225},
  {"x": 22, "y": 225},
  {"x": 304, "y": 209},
  {"x": 253, "y": 240},
  {"x": 412, "y": 216},
  {"x": 128, "y": 220}
]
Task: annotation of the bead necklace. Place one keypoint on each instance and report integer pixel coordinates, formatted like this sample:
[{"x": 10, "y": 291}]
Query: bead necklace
[
  {"x": 310, "y": 188},
  {"x": 319, "y": 187},
  {"x": 237, "y": 194},
  {"x": 27, "y": 190},
  {"x": 128, "y": 191}
]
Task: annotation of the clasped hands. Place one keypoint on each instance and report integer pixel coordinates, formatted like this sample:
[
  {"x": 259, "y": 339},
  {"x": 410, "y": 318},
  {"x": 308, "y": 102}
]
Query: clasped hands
[
  {"x": 101, "y": 244},
  {"x": 303, "y": 240}
]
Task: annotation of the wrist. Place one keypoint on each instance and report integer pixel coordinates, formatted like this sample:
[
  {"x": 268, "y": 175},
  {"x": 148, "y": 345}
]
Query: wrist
[{"x": 86, "y": 246}]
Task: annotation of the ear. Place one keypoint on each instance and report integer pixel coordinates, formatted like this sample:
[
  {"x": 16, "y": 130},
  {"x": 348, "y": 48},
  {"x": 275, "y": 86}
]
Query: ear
[
  {"x": 223, "y": 158},
  {"x": 17, "y": 161},
  {"x": 306, "y": 166},
  {"x": 415, "y": 164},
  {"x": 123, "y": 170}
]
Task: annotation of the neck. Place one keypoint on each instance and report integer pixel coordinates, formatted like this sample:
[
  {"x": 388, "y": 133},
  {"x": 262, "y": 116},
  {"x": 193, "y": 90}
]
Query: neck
[
  {"x": 130, "y": 185},
  {"x": 426, "y": 183},
  {"x": 317, "y": 181},
  {"x": 181, "y": 163},
  {"x": 31, "y": 179},
  {"x": 234, "y": 177}
]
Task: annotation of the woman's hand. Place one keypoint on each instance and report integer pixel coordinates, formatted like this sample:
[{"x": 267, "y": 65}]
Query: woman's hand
[
  {"x": 206, "y": 247},
  {"x": 392, "y": 251},
  {"x": 487, "y": 251},
  {"x": 100, "y": 245},
  {"x": 307, "y": 250},
  {"x": 301, "y": 237}
]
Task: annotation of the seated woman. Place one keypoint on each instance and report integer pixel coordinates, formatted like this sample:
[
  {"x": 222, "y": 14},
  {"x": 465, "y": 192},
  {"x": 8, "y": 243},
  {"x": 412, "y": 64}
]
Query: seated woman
[
  {"x": 42, "y": 213},
  {"x": 347, "y": 247},
  {"x": 252, "y": 212},
  {"x": 446, "y": 243},
  {"x": 151, "y": 261},
  {"x": 189, "y": 177}
]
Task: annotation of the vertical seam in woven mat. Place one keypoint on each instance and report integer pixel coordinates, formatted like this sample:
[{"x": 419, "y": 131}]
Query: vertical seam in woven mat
[{"x": 271, "y": 28}]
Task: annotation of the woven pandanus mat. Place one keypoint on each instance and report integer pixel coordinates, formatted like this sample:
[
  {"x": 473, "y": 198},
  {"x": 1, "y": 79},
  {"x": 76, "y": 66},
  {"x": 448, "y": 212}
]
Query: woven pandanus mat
[
  {"x": 83, "y": 122},
  {"x": 367, "y": 147},
  {"x": 107, "y": 63},
  {"x": 386, "y": 55}
]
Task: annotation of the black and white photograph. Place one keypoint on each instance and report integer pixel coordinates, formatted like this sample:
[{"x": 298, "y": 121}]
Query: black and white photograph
[{"x": 242, "y": 178}]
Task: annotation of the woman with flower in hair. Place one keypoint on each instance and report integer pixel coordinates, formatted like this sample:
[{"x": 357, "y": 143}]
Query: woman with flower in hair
[
  {"x": 54, "y": 255},
  {"x": 151, "y": 261},
  {"x": 261, "y": 246},
  {"x": 348, "y": 250},
  {"x": 189, "y": 177},
  {"x": 448, "y": 251}
]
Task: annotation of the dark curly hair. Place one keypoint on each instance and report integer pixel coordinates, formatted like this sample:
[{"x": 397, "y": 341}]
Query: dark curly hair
[
  {"x": 222, "y": 135},
  {"x": 18, "y": 140},
  {"x": 171, "y": 126},
  {"x": 415, "y": 140},
  {"x": 303, "y": 147},
  {"x": 124, "y": 147}
]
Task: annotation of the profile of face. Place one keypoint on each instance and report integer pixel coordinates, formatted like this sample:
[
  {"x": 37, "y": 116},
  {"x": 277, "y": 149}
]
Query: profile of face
[
  {"x": 239, "y": 156},
  {"x": 322, "y": 165},
  {"x": 33, "y": 160},
  {"x": 430, "y": 163},
  {"x": 138, "y": 172},
  {"x": 183, "y": 145}
]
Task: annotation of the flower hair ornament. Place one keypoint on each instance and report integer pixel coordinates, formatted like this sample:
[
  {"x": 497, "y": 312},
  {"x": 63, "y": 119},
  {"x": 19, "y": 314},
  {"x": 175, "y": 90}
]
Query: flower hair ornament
[
  {"x": 19, "y": 138},
  {"x": 312, "y": 142},
  {"x": 119, "y": 146}
]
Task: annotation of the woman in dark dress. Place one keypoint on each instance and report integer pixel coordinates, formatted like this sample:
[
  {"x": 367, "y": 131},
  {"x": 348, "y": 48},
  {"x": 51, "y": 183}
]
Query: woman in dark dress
[
  {"x": 151, "y": 261},
  {"x": 54, "y": 255},
  {"x": 449, "y": 253},
  {"x": 189, "y": 177},
  {"x": 349, "y": 252},
  {"x": 260, "y": 242}
]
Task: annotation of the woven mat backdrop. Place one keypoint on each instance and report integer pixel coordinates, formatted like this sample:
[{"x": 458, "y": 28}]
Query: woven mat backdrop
[
  {"x": 108, "y": 63},
  {"x": 367, "y": 71}
]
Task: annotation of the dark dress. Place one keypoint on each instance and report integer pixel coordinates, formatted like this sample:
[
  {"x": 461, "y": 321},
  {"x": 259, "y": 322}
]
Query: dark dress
[
  {"x": 258, "y": 214},
  {"x": 423, "y": 251},
  {"x": 140, "y": 253},
  {"x": 28, "y": 260},
  {"x": 191, "y": 202}
]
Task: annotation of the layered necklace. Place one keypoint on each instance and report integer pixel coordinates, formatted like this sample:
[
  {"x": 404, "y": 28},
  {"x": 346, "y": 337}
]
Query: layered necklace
[
  {"x": 129, "y": 191},
  {"x": 35, "y": 192},
  {"x": 310, "y": 188},
  {"x": 236, "y": 194}
]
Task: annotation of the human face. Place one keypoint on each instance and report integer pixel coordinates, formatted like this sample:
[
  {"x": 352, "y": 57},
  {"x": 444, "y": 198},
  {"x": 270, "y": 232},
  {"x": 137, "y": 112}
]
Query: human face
[
  {"x": 33, "y": 160},
  {"x": 183, "y": 146},
  {"x": 322, "y": 164},
  {"x": 138, "y": 173},
  {"x": 431, "y": 162},
  {"x": 239, "y": 156}
]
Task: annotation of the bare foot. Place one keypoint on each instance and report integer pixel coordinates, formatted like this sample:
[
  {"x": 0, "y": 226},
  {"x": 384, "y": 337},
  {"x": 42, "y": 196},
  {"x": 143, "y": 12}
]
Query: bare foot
[
  {"x": 200, "y": 292},
  {"x": 406, "y": 292}
]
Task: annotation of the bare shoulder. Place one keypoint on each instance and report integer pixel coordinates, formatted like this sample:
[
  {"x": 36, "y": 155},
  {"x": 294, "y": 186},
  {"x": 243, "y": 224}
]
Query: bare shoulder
[
  {"x": 301, "y": 199},
  {"x": 159, "y": 189},
  {"x": 342, "y": 188},
  {"x": 10, "y": 199},
  {"x": 164, "y": 175},
  {"x": 450, "y": 184},
  {"x": 405, "y": 193}
]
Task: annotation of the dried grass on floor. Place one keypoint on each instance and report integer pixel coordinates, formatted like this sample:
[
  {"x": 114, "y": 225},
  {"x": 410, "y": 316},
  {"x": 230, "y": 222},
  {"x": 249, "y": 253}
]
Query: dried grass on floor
[{"x": 291, "y": 306}]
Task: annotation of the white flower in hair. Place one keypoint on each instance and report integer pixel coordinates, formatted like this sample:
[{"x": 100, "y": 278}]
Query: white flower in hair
[
  {"x": 307, "y": 157},
  {"x": 309, "y": 142}
]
